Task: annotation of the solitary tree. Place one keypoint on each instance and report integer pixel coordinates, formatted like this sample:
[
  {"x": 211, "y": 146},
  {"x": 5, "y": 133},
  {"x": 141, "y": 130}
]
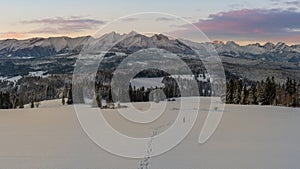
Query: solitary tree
[
  {"x": 32, "y": 104},
  {"x": 70, "y": 95},
  {"x": 63, "y": 99}
]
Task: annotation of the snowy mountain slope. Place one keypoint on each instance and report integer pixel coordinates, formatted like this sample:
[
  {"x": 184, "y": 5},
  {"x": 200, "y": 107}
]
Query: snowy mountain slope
[
  {"x": 58, "y": 55},
  {"x": 40, "y": 47},
  {"x": 272, "y": 52},
  {"x": 131, "y": 42}
]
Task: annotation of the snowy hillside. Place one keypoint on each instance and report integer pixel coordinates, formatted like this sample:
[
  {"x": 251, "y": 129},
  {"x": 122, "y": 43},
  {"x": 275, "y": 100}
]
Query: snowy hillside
[{"x": 40, "y": 47}]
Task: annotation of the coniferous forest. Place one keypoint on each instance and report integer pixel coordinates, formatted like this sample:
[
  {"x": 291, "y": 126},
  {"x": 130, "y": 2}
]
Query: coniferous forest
[
  {"x": 238, "y": 91},
  {"x": 266, "y": 92}
]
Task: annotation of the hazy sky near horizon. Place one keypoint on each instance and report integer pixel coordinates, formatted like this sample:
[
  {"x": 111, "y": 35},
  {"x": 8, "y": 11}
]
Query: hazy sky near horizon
[{"x": 238, "y": 20}]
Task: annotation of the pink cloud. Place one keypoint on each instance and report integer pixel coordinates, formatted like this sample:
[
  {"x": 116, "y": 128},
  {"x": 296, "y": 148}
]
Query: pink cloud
[
  {"x": 246, "y": 24},
  {"x": 60, "y": 25}
]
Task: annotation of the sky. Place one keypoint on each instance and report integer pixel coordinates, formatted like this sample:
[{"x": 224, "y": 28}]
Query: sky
[{"x": 226, "y": 20}]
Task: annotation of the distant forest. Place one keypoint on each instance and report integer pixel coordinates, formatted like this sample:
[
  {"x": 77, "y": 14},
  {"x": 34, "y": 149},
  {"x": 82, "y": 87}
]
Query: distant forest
[
  {"x": 265, "y": 92},
  {"x": 238, "y": 91}
]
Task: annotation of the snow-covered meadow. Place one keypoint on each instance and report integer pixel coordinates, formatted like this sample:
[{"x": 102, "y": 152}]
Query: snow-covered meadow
[{"x": 248, "y": 137}]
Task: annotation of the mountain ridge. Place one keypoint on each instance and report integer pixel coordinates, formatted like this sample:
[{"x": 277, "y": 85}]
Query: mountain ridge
[
  {"x": 58, "y": 55},
  {"x": 133, "y": 41}
]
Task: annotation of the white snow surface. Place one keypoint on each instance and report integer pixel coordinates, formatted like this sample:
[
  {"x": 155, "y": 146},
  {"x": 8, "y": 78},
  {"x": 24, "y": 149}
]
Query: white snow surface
[
  {"x": 157, "y": 81},
  {"x": 248, "y": 137},
  {"x": 30, "y": 74},
  {"x": 147, "y": 82},
  {"x": 12, "y": 79},
  {"x": 38, "y": 74}
]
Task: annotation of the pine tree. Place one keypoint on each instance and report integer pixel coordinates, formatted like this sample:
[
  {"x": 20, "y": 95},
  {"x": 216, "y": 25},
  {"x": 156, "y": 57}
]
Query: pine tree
[
  {"x": 97, "y": 100},
  {"x": 6, "y": 103},
  {"x": 229, "y": 92},
  {"x": 237, "y": 92},
  {"x": 1, "y": 101},
  {"x": 252, "y": 95},
  {"x": 15, "y": 101},
  {"x": 63, "y": 99},
  {"x": 269, "y": 92},
  {"x": 260, "y": 92},
  {"x": 156, "y": 96},
  {"x": 70, "y": 95},
  {"x": 109, "y": 97},
  {"x": 244, "y": 95},
  {"x": 21, "y": 105},
  {"x": 293, "y": 93},
  {"x": 130, "y": 92},
  {"x": 32, "y": 104},
  {"x": 273, "y": 92},
  {"x": 290, "y": 90}
]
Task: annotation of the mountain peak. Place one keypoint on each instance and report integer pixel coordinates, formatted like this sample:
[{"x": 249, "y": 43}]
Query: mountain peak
[
  {"x": 133, "y": 41},
  {"x": 132, "y": 33},
  {"x": 269, "y": 45},
  {"x": 218, "y": 42},
  {"x": 111, "y": 34},
  {"x": 160, "y": 37},
  {"x": 231, "y": 43},
  {"x": 280, "y": 44}
]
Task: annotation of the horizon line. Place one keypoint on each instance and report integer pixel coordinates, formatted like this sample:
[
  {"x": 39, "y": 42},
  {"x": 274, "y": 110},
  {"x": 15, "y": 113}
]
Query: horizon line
[{"x": 240, "y": 43}]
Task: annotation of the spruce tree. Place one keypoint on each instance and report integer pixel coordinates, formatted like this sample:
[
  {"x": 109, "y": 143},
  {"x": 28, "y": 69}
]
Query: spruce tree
[
  {"x": 244, "y": 95},
  {"x": 63, "y": 99},
  {"x": 252, "y": 95},
  {"x": 272, "y": 95},
  {"x": 97, "y": 100},
  {"x": 237, "y": 92},
  {"x": 269, "y": 93},
  {"x": 289, "y": 92},
  {"x": 109, "y": 97},
  {"x": 21, "y": 104},
  {"x": 260, "y": 92},
  {"x": 229, "y": 92},
  {"x": 1, "y": 101},
  {"x": 32, "y": 104},
  {"x": 156, "y": 96},
  {"x": 70, "y": 95},
  {"x": 293, "y": 93}
]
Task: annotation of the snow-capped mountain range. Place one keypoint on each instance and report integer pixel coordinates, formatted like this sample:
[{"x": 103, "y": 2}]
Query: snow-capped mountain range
[
  {"x": 41, "y": 47},
  {"x": 268, "y": 51},
  {"x": 58, "y": 55}
]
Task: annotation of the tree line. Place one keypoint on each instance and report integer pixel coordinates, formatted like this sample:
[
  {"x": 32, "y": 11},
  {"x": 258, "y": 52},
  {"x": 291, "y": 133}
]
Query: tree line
[
  {"x": 265, "y": 92},
  {"x": 33, "y": 90}
]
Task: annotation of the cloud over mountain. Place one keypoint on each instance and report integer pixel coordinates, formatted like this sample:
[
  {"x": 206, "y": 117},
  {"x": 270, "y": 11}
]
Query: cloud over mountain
[
  {"x": 269, "y": 24},
  {"x": 59, "y": 25}
]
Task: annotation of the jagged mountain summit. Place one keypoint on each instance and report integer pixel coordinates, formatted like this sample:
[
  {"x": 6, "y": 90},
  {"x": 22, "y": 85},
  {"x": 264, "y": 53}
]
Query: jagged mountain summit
[
  {"x": 269, "y": 51},
  {"x": 58, "y": 55},
  {"x": 131, "y": 42},
  {"x": 40, "y": 47}
]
